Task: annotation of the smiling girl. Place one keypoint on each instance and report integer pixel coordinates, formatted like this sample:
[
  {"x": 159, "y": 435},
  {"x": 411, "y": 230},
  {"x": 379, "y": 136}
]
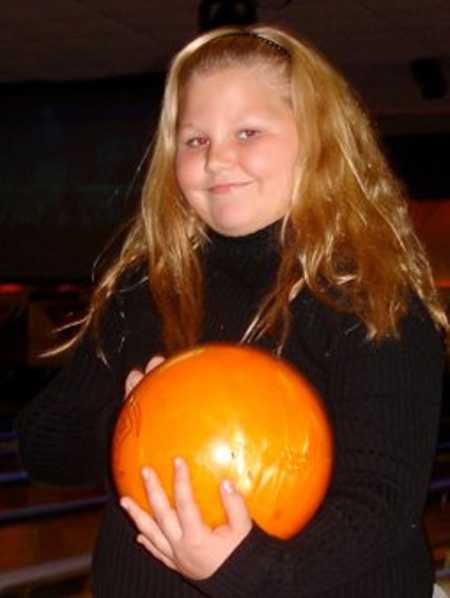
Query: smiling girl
[{"x": 269, "y": 216}]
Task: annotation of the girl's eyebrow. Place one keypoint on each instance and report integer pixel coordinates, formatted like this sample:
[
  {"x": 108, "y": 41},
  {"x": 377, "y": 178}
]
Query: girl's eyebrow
[{"x": 186, "y": 125}]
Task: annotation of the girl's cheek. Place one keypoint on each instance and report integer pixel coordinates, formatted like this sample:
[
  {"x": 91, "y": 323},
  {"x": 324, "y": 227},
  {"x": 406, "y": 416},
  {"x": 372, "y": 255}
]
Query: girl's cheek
[
  {"x": 188, "y": 169},
  {"x": 186, "y": 158}
]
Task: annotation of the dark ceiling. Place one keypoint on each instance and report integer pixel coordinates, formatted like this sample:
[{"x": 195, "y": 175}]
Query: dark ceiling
[{"x": 397, "y": 52}]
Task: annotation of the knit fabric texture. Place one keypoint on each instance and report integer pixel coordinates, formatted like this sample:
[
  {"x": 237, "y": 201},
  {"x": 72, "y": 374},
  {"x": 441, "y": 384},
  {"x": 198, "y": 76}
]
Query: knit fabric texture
[{"x": 383, "y": 401}]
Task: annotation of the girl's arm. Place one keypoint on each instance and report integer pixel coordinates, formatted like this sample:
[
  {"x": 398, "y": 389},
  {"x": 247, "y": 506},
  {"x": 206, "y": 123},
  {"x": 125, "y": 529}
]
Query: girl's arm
[{"x": 64, "y": 432}]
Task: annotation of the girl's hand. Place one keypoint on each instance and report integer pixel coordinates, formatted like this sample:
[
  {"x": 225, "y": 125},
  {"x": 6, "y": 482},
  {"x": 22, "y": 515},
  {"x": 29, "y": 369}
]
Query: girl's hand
[
  {"x": 135, "y": 376},
  {"x": 178, "y": 536}
]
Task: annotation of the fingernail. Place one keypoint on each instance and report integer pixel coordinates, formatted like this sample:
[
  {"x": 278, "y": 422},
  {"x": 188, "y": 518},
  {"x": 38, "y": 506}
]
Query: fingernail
[
  {"x": 124, "y": 504},
  {"x": 178, "y": 461},
  {"x": 157, "y": 360},
  {"x": 146, "y": 473},
  {"x": 228, "y": 486}
]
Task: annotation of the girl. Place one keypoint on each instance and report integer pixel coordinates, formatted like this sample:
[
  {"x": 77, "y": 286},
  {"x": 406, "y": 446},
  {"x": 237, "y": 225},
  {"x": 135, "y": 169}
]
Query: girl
[{"x": 268, "y": 216}]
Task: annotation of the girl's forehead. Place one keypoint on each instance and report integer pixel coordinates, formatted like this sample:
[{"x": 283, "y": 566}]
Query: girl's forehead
[
  {"x": 254, "y": 74},
  {"x": 239, "y": 70}
]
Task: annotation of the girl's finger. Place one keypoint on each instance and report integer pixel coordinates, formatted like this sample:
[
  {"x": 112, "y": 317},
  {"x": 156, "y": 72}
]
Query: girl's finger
[
  {"x": 235, "y": 507},
  {"x": 135, "y": 375},
  {"x": 189, "y": 515},
  {"x": 154, "y": 363},
  {"x": 166, "y": 517},
  {"x": 133, "y": 378}
]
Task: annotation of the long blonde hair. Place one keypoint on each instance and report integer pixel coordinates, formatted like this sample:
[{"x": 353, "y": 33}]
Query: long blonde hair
[{"x": 348, "y": 236}]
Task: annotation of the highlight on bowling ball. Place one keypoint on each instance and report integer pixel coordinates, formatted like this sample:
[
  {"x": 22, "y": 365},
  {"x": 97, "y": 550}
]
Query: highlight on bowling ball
[{"x": 232, "y": 412}]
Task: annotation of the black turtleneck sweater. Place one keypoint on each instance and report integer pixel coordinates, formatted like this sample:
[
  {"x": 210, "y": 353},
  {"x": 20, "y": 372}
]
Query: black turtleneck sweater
[{"x": 383, "y": 401}]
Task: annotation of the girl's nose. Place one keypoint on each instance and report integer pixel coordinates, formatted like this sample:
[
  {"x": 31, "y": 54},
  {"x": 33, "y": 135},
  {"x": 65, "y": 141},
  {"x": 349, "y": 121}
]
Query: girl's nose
[{"x": 219, "y": 156}]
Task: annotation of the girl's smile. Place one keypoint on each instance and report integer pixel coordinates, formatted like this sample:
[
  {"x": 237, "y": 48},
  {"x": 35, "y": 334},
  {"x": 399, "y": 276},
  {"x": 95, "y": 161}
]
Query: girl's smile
[{"x": 221, "y": 188}]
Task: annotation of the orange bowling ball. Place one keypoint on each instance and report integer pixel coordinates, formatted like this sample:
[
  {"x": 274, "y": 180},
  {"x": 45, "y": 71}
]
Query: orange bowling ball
[{"x": 232, "y": 412}]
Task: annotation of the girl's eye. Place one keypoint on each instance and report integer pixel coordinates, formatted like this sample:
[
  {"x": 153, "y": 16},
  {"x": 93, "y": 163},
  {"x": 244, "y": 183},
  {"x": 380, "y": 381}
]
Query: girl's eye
[
  {"x": 246, "y": 134},
  {"x": 195, "y": 142}
]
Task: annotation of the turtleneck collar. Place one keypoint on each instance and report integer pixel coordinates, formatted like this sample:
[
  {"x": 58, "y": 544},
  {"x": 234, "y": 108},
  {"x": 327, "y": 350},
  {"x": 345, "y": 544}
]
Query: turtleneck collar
[{"x": 253, "y": 259}]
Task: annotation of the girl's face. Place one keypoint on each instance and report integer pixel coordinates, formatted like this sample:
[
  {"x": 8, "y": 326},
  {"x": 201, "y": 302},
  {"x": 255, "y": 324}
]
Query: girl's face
[{"x": 237, "y": 148}]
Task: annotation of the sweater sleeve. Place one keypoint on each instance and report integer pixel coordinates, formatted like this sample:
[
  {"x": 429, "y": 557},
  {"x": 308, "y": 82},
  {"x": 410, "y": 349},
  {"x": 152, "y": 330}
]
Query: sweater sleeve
[
  {"x": 384, "y": 404},
  {"x": 64, "y": 432}
]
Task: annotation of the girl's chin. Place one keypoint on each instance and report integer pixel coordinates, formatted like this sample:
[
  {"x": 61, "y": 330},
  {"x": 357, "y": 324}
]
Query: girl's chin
[{"x": 234, "y": 222}]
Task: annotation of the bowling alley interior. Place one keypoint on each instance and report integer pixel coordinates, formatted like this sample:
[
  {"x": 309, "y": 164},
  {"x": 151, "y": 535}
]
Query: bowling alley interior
[{"x": 79, "y": 109}]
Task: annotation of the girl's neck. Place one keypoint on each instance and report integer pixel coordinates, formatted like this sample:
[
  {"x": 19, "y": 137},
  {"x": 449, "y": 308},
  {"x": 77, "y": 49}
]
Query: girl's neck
[{"x": 253, "y": 258}]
